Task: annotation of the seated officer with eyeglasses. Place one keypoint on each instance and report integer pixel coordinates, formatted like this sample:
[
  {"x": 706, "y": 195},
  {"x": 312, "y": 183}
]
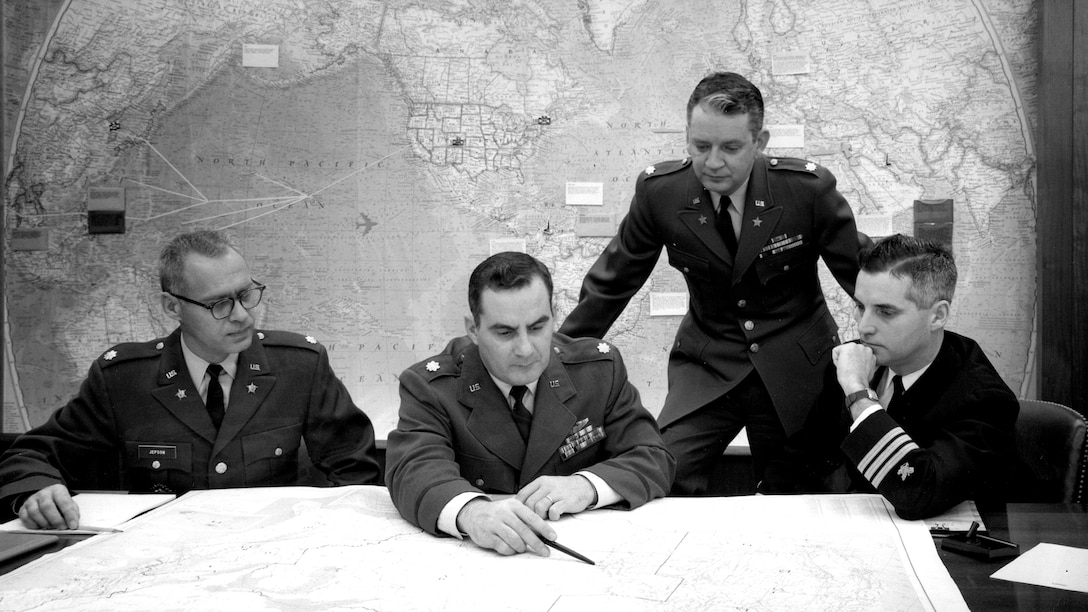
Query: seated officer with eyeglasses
[{"x": 150, "y": 418}]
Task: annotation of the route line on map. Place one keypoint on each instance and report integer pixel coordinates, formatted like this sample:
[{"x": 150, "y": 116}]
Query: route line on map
[{"x": 279, "y": 202}]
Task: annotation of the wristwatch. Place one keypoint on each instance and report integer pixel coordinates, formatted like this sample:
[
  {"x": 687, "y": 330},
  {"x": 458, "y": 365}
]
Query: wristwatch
[{"x": 863, "y": 394}]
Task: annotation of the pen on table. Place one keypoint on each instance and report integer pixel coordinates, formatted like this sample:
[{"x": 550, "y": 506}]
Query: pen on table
[
  {"x": 971, "y": 532},
  {"x": 77, "y": 531},
  {"x": 564, "y": 549}
]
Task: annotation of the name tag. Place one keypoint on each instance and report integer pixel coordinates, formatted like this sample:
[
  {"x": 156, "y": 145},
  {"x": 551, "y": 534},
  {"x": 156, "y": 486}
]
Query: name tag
[{"x": 154, "y": 451}]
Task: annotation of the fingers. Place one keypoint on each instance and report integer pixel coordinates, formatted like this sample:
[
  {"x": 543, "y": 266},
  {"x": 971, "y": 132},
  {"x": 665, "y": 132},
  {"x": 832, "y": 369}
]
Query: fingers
[
  {"x": 508, "y": 527},
  {"x": 50, "y": 508}
]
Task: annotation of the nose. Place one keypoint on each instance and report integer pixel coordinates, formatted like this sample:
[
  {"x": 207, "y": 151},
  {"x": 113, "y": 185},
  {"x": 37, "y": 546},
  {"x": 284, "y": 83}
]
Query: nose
[
  {"x": 715, "y": 159},
  {"x": 239, "y": 313},
  {"x": 522, "y": 346},
  {"x": 865, "y": 322}
]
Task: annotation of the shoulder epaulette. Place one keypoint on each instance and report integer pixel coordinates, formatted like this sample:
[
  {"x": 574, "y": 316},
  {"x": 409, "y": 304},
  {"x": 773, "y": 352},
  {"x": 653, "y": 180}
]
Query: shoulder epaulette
[
  {"x": 580, "y": 350},
  {"x": 273, "y": 337},
  {"x": 666, "y": 167},
  {"x": 792, "y": 163},
  {"x": 129, "y": 351},
  {"x": 437, "y": 367}
]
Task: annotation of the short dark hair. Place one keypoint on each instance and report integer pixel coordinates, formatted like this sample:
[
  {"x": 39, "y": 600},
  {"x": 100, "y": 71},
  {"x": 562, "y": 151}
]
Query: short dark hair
[
  {"x": 172, "y": 258},
  {"x": 506, "y": 270},
  {"x": 929, "y": 266},
  {"x": 728, "y": 93}
]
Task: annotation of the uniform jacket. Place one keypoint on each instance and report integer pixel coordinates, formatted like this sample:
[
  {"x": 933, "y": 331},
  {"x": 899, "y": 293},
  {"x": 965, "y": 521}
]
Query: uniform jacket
[
  {"x": 949, "y": 439},
  {"x": 456, "y": 433},
  {"x": 139, "y": 424},
  {"x": 764, "y": 309}
]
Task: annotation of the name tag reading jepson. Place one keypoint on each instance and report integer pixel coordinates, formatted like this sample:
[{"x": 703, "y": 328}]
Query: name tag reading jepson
[{"x": 156, "y": 451}]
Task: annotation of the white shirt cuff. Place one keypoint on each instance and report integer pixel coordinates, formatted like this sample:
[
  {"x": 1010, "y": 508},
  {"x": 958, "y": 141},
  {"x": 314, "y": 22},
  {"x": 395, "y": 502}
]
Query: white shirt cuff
[
  {"x": 606, "y": 495},
  {"x": 447, "y": 519},
  {"x": 864, "y": 415}
]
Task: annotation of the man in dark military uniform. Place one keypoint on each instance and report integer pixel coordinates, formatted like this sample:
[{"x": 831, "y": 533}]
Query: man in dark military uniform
[
  {"x": 515, "y": 408},
  {"x": 746, "y": 232},
  {"x": 940, "y": 430},
  {"x": 216, "y": 404}
]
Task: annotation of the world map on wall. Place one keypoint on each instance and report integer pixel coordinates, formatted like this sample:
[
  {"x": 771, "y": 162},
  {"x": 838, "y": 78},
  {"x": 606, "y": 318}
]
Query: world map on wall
[{"x": 390, "y": 146}]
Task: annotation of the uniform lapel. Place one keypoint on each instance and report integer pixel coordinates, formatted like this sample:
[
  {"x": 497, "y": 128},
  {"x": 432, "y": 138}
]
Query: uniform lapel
[
  {"x": 490, "y": 420},
  {"x": 698, "y": 215},
  {"x": 552, "y": 420},
  {"x": 759, "y": 220},
  {"x": 252, "y": 383},
  {"x": 177, "y": 391}
]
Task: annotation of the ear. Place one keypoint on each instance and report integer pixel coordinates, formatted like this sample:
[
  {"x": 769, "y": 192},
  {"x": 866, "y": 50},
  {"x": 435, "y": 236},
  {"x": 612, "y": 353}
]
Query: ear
[
  {"x": 939, "y": 314},
  {"x": 171, "y": 306},
  {"x": 762, "y": 139},
  {"x": 470, "y": 328}
]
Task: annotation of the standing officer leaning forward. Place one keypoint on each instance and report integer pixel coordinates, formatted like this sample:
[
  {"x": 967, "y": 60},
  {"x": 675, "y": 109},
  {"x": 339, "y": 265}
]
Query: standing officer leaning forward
[
  {"x": 746, "y": 231},
  {"x": 150, "y": 418},
  {"x": 514, "y": 408}
]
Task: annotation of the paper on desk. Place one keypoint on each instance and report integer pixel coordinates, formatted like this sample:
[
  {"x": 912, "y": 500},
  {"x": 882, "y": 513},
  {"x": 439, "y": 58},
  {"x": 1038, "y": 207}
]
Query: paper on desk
[
  {"x": 1049, "y": 565},
  {"x": 100, "y": 512},
  {"x": 956, "y": 520}
]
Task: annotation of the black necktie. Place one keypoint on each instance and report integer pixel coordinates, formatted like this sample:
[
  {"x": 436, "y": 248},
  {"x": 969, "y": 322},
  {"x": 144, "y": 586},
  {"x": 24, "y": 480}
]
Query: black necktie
[
  {"x": 724, "y": 224},
  {"x": 897, "y": 395},
  {"x": 215, "y": 395},
  {"x": 522, "y": 417}
]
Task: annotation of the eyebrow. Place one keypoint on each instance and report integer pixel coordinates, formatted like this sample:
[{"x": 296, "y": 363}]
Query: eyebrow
[{"x": 502, "y": 326}]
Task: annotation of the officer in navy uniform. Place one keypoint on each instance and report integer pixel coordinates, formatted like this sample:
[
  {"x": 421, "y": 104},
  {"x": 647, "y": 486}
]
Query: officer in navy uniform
[
  {"x": 746, "y": 231},
  {"x": 513, "y": 408},
  {"x": 150, "y": 418}
]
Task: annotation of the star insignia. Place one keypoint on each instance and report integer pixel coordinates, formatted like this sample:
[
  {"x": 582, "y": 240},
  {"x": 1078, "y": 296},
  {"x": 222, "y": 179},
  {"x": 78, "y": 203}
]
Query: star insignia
[
  {"x": 171, "y": 374},
  {"x": 650, "y": 170},
  {"x": 159, "y": 346},
  {"x": 180, "y": 394},
  {"x": 757, "y": 222},
  {"x": 811, "y": 167},
  {"x": 260, "y": 335},
  {"x": 904, "y": 471},
  {"x": 110, "y": 354},
  {"x": 702, "y": 219},
  {"x": 252, "y": 388},
  {"x": 603, "y": 348},
  {"x": 432, "y": 366},
  {"x": 311, "y": 339}
]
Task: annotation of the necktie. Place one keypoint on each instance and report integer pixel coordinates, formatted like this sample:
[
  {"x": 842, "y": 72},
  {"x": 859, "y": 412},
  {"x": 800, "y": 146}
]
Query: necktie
[
  {"x": 522, "y": 417},
  {"x": 897, "y": 395},
  {"x": 214, "y": 404},
  {"x": 724, "y": 224}
]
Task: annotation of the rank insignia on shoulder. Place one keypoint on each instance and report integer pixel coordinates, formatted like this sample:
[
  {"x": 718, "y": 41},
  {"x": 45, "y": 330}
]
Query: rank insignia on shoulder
[
  {"x": 650, "y": 170},
  {"x": 811, "y": 167},
  {"x": 110, "y": 354},
  {"x": 433, "y": 366},
  {"x": 603, "y": 347},
  {"x": 311, "y": 339}
]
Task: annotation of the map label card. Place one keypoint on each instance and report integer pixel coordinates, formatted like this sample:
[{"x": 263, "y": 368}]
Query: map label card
[
  {"x": 30, "y": 239},
  {"x": 595, "y": 224},
  {"x": 668, "y": 304},
  {"x": 790, "y": 62},
  {"x": 260, "y": 56},
  {"x": 585, "y": 194},
  {"x": 786, "y": 137},
  {"x": 106, "y": 210}
]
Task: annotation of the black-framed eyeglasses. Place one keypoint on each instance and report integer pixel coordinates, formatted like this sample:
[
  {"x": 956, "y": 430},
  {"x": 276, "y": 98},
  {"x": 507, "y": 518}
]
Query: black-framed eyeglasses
[{"x": 222, "y": 308}]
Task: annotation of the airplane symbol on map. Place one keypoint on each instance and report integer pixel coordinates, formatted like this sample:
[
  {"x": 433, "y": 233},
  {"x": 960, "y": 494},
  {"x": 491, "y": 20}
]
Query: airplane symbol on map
[
  {"x": 457, "y": 142},
  {"x": 365, "y": 223},
  {"x": 544, "y": 120}
]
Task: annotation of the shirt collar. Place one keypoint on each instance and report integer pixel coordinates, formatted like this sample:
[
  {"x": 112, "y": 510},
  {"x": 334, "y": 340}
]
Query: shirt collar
[
  {"x": 197, "y": 365},
  {"x": 739, "y": 197},
  {"x": 505, "y": 387}
]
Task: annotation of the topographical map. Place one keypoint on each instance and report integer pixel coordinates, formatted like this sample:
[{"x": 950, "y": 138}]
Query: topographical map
[
  {"x": 300, "y": 548},
  {"x": 366, "y": 154}
]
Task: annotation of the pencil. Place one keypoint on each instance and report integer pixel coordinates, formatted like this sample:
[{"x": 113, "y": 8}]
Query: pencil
[{"x": 564, "y": 549}]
